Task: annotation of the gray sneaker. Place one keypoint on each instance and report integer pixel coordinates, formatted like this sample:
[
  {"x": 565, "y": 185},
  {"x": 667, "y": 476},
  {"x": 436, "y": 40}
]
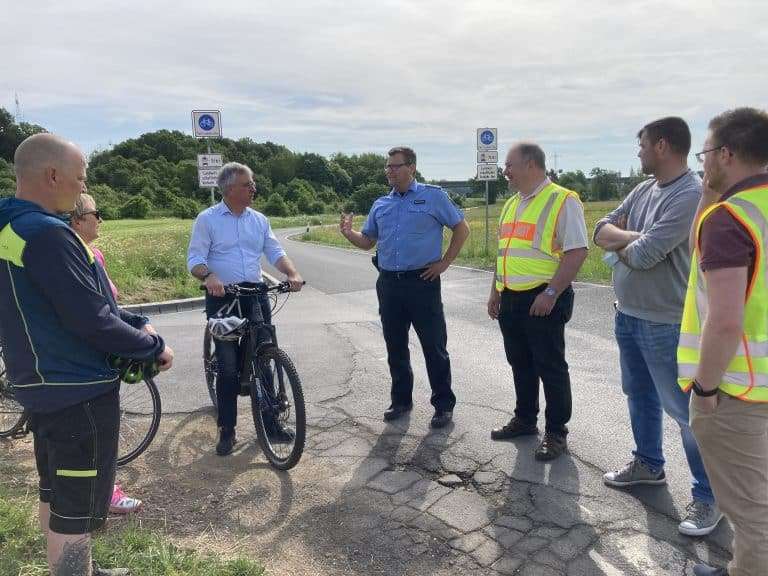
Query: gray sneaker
[
  {"x": 700, "y": 519},
  {"x": 633, "y": 474}
]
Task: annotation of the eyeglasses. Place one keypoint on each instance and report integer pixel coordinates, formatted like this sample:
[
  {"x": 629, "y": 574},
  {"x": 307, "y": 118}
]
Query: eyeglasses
[
  {"x": 96, "y": 213},
  {"x": 700, "y": 155},
  {"x": 394, "y": 166}
]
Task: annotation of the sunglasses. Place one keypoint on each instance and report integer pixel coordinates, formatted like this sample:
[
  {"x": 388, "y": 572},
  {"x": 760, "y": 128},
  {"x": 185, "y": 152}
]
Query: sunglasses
[{"x": 96, "y": 213}]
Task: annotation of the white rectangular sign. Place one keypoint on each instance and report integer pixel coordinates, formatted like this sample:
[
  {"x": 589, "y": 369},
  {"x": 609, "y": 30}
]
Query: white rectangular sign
[
  {"x": 487, "y": 171},
  {"x": 206, "y": 123},
  {"x": 486, "y": 139},
  {"x": 207, "y": 177},
  {"x": 487, "y": 156},
  {"x": 210, "y": 161}
]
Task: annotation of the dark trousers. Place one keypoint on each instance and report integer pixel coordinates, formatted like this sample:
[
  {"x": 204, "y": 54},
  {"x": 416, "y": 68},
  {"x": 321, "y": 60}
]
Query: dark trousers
[
  {"x": 535, "y": 348},
  {"x": 405, "y": 300},
  {"x": 228, "y": 355}
]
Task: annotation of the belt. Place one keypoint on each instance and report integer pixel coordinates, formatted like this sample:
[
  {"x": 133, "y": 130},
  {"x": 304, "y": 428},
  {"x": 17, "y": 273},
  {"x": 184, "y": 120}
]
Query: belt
[{"x": 402, "y": 275}]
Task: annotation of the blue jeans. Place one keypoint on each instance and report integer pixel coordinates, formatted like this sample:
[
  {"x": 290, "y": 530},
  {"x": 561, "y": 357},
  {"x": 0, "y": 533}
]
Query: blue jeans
[{"x": 648, "y": 352}]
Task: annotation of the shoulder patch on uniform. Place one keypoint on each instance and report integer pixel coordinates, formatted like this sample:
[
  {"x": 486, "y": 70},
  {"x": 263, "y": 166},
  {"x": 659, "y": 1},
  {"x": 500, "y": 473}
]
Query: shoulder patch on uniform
[{"x": 422, "y": 201}]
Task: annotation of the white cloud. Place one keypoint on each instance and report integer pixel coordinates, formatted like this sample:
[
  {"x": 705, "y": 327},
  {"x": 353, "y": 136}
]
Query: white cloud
[{"x": 580, "y": 77}]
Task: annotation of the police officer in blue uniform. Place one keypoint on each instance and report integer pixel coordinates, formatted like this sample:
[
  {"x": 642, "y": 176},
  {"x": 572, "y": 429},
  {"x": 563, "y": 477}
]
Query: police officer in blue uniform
[{"x": 408, "y": 225}]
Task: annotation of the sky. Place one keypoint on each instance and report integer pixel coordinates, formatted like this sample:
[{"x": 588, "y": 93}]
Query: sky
[{"x": 326, "y": 76}]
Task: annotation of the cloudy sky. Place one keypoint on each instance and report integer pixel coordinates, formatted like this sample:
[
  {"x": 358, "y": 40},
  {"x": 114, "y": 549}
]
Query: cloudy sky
[{"x": 580, "y": 77}]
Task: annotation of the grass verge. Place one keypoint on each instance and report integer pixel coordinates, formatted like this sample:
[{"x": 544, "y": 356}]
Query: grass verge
[
  {"x": 146, "y": 553},
  {"x": 474, "y": 253}
]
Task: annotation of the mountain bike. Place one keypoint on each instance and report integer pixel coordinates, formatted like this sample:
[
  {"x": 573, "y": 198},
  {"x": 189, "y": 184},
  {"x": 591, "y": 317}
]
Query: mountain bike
[
  {"x": 267, "y": 374},
  {"x": 140, "y": 411}
]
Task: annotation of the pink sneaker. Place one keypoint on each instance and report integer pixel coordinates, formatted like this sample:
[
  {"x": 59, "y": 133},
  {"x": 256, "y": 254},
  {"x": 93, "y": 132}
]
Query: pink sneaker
[{"x": 121, "y": 503}]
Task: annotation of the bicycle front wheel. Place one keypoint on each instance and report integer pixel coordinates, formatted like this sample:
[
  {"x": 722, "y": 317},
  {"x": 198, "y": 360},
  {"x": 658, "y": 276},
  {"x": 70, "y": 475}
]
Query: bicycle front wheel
[
  {"x": 140, "y": 411},
  {"x": 277, "y": 404},
  {"x": 210, "y": 366},
  {"x": 12, "y": 415}
]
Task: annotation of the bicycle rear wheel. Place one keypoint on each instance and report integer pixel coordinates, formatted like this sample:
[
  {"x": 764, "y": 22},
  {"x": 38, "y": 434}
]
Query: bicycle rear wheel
[
  {"x": 210, "y": 366},
  {"x": 140, "y": 411},
  {"x": 277, "y": 405},
  {"x": 12, "y": 415}
]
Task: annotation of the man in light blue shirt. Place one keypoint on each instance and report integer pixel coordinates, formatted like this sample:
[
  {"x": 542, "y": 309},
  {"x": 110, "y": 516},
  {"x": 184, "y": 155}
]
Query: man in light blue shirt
[
  {"x": 227, "y": 243},
  {"x": 408, "y": 226}
]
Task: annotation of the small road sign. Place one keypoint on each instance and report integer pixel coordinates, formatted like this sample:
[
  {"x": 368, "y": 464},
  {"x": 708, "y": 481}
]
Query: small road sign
[
  {"x": 487, "y": 157},
  {"x": 487, "y": 172},
  {"x": 210, "y": 161},
  {"x": 207, "y": 177},
  {"x": 486, "y": 139},
  {"x": 206, "y": 123}
]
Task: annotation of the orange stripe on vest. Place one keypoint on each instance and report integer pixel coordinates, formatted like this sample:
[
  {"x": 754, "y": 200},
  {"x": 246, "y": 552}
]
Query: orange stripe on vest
[{"x": 520, "y": 230}]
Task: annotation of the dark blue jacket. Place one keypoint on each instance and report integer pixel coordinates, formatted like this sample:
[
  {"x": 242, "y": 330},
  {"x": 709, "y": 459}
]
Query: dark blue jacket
[{"x": 58, "y": 320}]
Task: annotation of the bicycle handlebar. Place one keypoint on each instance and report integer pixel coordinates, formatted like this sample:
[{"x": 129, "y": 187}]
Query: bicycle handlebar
[{"x": 238, "y": 290}]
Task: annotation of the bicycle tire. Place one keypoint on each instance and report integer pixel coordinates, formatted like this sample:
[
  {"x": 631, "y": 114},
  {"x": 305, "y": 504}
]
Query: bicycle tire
[
  {"x": 135, "y": 401},
  {"x": 12, "y": 414},
  {"x": 287, "y": 377},
  {"x": 210, "y": 367}
]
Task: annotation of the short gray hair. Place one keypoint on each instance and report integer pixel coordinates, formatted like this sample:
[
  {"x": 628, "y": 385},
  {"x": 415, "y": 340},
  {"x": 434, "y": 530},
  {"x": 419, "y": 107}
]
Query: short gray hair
[
  {"x": 229, "y": 173},
  {"x": 532, "y": 152},
  {"x": 79, "y": 211}
]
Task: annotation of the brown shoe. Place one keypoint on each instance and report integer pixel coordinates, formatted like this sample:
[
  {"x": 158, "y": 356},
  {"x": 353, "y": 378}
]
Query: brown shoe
[
  {"x": 552, "y": 446},
  {"x": 513, "y": 429}
]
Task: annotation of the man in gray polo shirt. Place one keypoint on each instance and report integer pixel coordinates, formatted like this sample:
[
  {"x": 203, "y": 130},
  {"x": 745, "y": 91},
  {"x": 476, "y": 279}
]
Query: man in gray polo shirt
[{"x": 648, "y": 238}]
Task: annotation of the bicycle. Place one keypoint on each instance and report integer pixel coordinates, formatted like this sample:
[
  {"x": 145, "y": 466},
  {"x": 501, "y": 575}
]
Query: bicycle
[
  {"x": 140, "y": 411},
  {"x": 267, "y": 374}
]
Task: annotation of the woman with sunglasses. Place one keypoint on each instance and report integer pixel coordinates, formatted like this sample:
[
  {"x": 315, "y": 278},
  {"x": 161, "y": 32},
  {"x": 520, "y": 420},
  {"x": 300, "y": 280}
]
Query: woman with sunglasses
[{"x": 86, "y": 221}]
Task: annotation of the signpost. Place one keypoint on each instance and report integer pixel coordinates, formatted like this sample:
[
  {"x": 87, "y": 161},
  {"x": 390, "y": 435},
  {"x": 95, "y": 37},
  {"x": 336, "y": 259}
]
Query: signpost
[
  {"x": 487, "y": 159},
  {"x": 207, "y": 124}
]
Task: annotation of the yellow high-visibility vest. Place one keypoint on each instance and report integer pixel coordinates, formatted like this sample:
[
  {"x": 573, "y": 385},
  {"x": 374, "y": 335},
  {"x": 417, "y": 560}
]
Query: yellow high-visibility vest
[
  {"x": 527, "y": 255},
  {"x": 746, "y": 377}
]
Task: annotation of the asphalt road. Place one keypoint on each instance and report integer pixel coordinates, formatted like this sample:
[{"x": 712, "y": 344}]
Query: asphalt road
[{"x": 332, "y": 331}]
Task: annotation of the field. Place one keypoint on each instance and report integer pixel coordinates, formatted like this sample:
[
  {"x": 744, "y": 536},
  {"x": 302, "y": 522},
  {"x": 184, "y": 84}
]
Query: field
[{"x": 474, "y": 253}]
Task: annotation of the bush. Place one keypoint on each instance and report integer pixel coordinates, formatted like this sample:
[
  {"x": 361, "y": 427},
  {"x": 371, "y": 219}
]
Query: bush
[
  {"x": 137, "y": 207},
  {"x": 275, "y": 206},
  {"x": 315, "y": 221},
  {"x": 185, "y": 208},
  {"x": 457, "y": 199}
]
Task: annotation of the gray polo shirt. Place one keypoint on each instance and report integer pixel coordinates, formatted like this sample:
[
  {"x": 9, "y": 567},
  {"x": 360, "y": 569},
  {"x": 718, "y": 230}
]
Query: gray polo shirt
[{"x": 651, "y": 281}]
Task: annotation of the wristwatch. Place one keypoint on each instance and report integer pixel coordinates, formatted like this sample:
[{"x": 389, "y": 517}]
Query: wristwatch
[
  {"x": 699, "y": 391},
  {"x": 549, "y": 291}
]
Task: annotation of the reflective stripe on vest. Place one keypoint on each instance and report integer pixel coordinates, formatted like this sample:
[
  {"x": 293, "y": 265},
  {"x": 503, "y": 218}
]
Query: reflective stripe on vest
[
  {"x": 746, "y": 376},
  {"x": 526, "y": 254}
]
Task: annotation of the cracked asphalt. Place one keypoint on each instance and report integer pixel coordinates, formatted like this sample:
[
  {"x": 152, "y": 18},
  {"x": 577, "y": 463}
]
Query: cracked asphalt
[{"x": 371, "y": 497}]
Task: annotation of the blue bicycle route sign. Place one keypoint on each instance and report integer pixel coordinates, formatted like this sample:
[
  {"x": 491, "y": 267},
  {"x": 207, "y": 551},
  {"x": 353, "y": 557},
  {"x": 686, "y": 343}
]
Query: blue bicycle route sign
[
  {"x": 207, "y": 122},
  {"x": 486, "y": 139}
]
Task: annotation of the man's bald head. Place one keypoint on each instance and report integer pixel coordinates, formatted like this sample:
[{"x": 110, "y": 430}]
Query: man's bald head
[
  {"x": 50, "y": 171},
  {"x": 41, "y": 151}
]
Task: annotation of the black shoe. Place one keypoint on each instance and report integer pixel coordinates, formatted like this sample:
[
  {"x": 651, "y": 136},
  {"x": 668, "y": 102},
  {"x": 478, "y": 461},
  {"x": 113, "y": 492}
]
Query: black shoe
[
  {"x": 396, "y": 411},
  {"x": 514, "y": 428},
  {"x": 552, "y": 446},
  {"x": 704, "y": 570},
  {"x": 281, "y": 434},
  {"x": 441, "y": 418},
  {"x": 227, "y": 441}
]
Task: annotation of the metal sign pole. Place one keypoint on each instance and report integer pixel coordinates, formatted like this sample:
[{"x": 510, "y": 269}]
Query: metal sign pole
[
  {"x": 213, "y": 199},
  {"x": 486, "y": 217}
]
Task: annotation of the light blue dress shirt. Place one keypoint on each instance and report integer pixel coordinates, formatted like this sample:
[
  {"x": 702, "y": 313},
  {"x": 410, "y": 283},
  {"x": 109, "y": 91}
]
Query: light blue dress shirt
[
  {"x": 409, "y": 227},
  {"x": 232, "y": 246}
]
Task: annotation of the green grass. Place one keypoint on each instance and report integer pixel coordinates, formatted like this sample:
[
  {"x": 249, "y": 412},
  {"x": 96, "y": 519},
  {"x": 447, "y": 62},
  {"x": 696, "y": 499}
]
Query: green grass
[
  {"x": 474, "y": 253},
  {"x": 147, "y": 259},
  {"x": 22, "y": 546}
]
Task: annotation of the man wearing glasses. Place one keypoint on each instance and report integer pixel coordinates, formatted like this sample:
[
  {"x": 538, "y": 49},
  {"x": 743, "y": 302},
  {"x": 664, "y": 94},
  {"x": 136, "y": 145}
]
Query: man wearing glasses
[
  {"x": 649, "y": 232},
  {"x": 723, "y": 351},
  {"x": 226, "y": 246},
  {"x": 408, "y": 226}
]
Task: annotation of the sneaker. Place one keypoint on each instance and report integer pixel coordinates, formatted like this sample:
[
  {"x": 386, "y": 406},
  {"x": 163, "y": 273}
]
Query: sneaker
[
  {"x": 633, "y": 474},
  {"x": 514, "y": 428},
  {"x": 121, "y": 503},
  {"x": 705, "y": 570},
  {"x": 701, "y": 519},
  {"x": 552, "y": 446},
  {"x": 96, "y": 571}
]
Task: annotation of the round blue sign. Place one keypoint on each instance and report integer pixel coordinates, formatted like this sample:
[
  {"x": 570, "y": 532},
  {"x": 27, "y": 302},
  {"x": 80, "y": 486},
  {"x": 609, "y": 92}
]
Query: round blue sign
[
  {"x": 486, "y": 137},
  {"x": 207, "y": 123}
]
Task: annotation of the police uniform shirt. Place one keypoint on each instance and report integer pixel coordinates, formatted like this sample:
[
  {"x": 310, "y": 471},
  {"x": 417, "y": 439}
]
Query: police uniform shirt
[{"x": 409, "y": 227}]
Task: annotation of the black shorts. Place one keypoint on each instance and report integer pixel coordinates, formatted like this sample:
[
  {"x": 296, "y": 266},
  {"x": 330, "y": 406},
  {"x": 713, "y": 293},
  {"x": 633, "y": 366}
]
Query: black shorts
[{"x": 76, "y": 456}]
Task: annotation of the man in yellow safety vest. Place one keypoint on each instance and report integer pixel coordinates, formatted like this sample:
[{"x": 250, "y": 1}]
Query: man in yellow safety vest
[
  {"x": 723, "y": 349},
  {"x": 542, "y": 245}
]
